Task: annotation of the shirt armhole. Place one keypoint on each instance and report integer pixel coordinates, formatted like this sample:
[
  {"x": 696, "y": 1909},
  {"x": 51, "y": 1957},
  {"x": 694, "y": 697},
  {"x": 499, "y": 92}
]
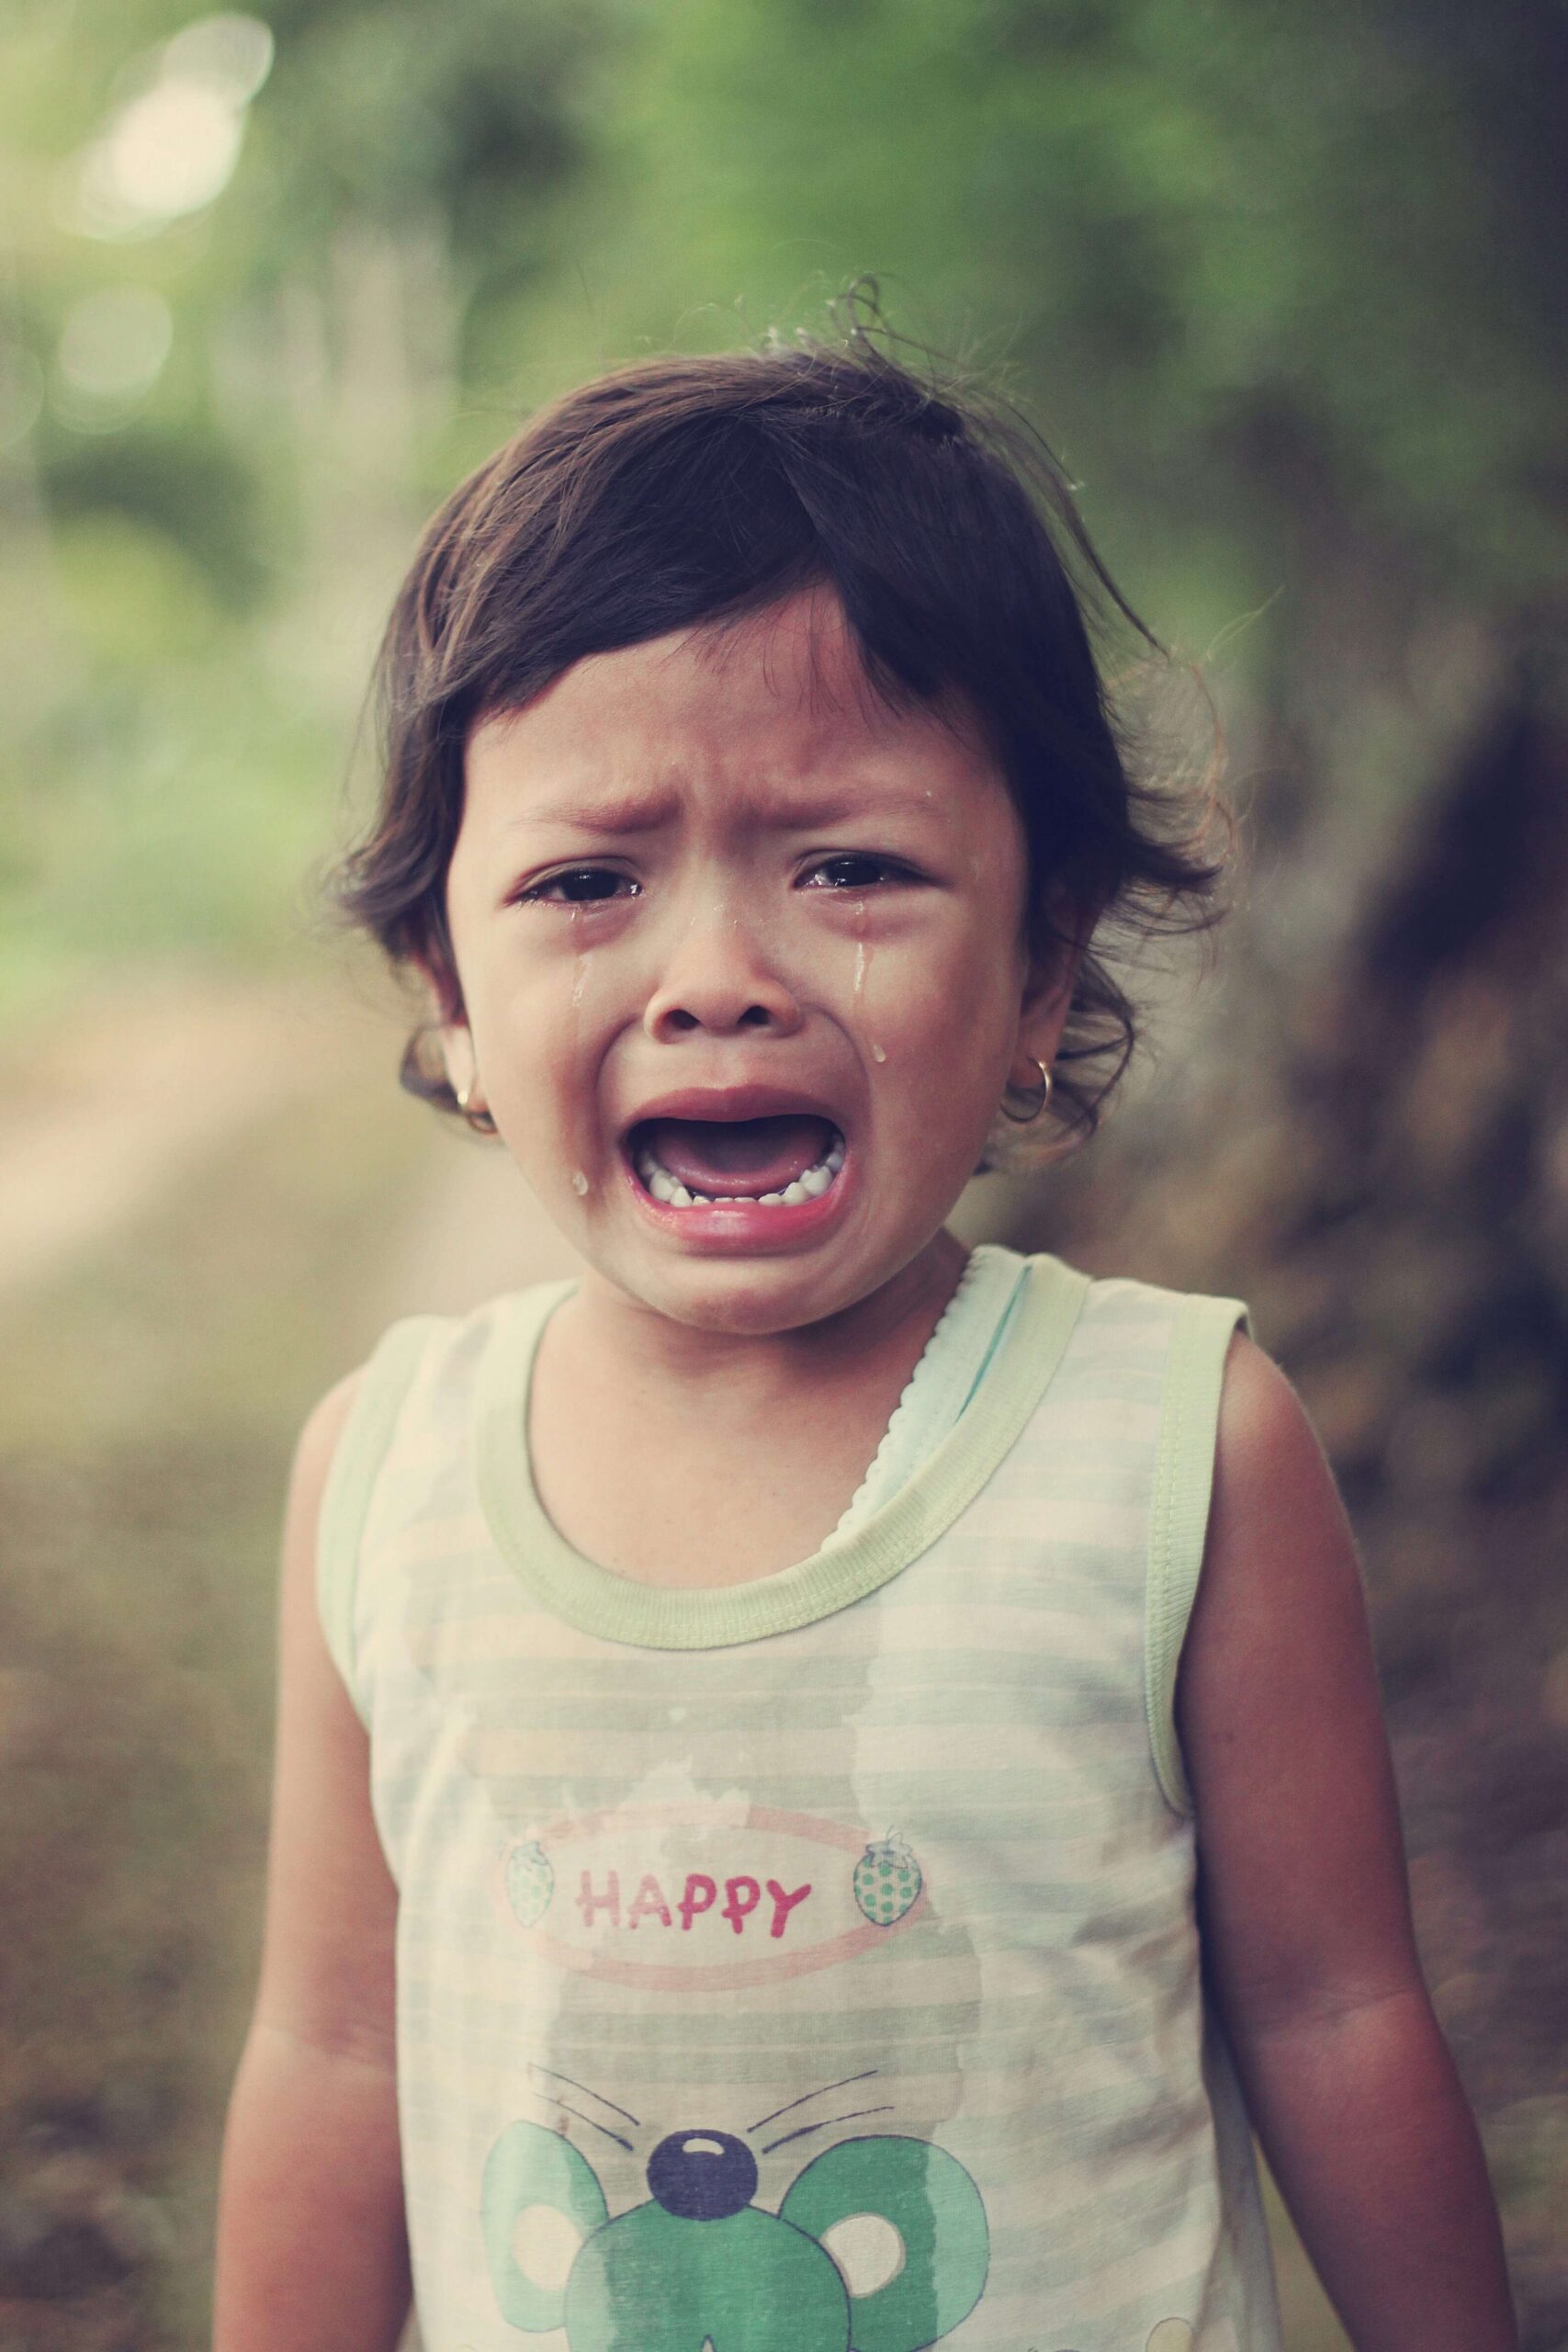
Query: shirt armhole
[
  {"x": 350, "y": 1484},
  {"x": 1179, "y": 1518}
]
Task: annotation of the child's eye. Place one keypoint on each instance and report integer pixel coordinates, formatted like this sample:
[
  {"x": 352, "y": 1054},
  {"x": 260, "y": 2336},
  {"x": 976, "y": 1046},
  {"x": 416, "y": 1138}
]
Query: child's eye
[
  {"x": 580, "y": 886},
  {"x": 853, "y": 870}
]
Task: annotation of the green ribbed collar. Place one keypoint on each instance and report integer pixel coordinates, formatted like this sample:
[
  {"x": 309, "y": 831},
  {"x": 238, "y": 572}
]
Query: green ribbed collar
[{"x": 619, "y": 1609}]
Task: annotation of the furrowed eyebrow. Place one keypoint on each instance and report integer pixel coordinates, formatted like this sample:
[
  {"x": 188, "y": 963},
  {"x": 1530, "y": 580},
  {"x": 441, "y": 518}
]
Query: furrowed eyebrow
[
  {"x": 836, "y": 809},
  {"x": 627, "y": 813},
  {"x": 620, "y": 814}
]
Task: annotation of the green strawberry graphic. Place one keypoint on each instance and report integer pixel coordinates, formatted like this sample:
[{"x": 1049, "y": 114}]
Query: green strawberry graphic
[
  {"x": 530, "y": 1882},
  {"x": 887, "y": 1881}
]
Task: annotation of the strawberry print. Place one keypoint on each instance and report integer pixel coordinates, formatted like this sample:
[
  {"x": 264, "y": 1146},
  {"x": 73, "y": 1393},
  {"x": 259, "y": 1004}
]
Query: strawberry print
[
  {"x": 887, "y": 1881},
  {"x": 530, "y": 1882}
]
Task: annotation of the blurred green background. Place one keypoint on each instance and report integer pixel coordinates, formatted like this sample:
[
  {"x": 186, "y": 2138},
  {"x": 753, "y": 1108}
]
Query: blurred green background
[{"x": 1283, "y": 287}]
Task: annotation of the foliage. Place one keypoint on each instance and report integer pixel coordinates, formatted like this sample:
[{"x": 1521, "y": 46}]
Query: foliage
[{"x": 1281, "y": 283}]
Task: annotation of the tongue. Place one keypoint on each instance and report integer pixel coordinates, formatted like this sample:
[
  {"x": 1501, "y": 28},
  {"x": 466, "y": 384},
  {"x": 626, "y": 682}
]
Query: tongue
[{"x": 747, "y": 1156}]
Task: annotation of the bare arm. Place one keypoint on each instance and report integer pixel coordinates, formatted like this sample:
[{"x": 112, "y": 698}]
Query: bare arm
[
  {"x": 1305, "y": 1907},
  {"x": 311, "y": 2255}
]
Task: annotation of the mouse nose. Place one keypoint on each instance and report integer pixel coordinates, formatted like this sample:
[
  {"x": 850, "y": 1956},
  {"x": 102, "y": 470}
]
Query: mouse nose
[{"x": 703, "y": 2175}]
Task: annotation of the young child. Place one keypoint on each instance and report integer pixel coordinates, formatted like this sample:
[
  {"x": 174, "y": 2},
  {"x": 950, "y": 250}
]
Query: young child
[{"x": 777, "y": 1846}]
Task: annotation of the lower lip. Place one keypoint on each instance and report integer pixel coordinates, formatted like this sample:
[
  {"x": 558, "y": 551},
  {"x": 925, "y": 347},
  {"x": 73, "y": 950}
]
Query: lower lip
[{"x": 745, "y": 1225}]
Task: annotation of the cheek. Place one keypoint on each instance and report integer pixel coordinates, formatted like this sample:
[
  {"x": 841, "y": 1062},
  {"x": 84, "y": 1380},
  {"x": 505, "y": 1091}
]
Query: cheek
[
  {"x": 530, "y": 1034},
  {"x": 947, "y": 987}
]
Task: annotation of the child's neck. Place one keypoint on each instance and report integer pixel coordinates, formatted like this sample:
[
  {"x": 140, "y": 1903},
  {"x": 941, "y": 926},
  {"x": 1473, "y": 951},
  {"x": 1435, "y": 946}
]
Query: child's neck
[
  {"x": 646, "y": 1345},
  {"x": 735, "y": 1454}
]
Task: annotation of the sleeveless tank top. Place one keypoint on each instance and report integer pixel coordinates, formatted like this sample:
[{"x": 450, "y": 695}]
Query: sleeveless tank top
[
  {"x": 807, "y": 1965},
  {"x": 956, "y": 1359}
]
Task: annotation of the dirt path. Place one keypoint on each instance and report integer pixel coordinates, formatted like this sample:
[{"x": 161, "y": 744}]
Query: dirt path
[
  {"x": 473, "y": 1228},
  {"x": 137, "y": 1084}
]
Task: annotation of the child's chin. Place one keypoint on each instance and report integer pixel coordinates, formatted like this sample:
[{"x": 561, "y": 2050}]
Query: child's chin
[{"x": 748, "y": 1300}]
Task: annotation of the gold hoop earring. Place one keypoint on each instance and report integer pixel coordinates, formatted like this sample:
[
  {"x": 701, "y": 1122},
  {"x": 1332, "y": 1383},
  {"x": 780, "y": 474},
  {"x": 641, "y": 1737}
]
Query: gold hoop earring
[
  {"x": 479, "y": 1120},
  {"x": 1037, "y": 1102}
]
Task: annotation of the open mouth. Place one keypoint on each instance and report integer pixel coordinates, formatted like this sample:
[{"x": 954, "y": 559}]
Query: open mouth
[{"x": 777, "y": 1162}]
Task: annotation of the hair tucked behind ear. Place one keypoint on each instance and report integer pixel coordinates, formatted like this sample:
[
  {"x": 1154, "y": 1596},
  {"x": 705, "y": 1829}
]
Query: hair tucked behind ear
[{"x": 679, "y": 492}]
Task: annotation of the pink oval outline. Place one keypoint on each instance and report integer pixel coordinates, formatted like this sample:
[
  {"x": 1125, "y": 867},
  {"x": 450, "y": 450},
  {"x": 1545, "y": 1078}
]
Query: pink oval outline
[{"x": 657, "y": 1976}]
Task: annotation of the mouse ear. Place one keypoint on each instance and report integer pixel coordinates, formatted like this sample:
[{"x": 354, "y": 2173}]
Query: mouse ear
[
  {"x": 903, "y": 2296},
  {"x": 539, "y": 2201}
]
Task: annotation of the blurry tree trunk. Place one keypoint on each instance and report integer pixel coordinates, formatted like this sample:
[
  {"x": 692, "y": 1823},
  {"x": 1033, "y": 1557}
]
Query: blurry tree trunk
[
  {"x": 347, "y": 367},
  {"x": 370, "y": 350}
]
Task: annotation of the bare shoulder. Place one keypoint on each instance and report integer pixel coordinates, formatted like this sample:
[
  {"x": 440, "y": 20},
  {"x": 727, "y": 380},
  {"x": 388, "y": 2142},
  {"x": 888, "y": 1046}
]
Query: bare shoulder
[
  {"x": 1279, "y": 1563},
  {"x": 316, "y": 1448},
  {"x": 1263, "y": 1424},
  {"x": 326, "y": 1965},
  {"x": 302, "y": 1650},
  {"x": 1280, "y": 1721},
  {"x": 1276, "y": 1526}
]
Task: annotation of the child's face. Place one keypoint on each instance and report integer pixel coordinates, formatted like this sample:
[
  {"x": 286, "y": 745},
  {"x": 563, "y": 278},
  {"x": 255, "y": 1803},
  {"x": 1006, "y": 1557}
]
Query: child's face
[{"x": 726, "y": 926}]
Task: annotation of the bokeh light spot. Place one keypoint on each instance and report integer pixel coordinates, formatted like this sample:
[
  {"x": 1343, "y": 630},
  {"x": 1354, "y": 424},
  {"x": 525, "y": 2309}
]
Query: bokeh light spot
[
  {"x": 114, "y": 345},
  {"x": 172, "y": 147}
]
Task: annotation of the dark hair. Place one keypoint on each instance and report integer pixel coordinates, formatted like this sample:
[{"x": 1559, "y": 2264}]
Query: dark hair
[{"x": 679, "y": 492}]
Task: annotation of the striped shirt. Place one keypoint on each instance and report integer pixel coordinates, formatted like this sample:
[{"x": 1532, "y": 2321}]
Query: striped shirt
[{"x": 809, "y": 1963}]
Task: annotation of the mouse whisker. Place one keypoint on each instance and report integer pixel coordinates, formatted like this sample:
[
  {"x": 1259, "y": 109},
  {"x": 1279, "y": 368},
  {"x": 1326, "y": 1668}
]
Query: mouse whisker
[
  {"x": 586, "y": 2089},
  {"x": 820, "y": 2092},
  {"x": 550, "y": 2099},
  {"x": 804, "y": 2130}
]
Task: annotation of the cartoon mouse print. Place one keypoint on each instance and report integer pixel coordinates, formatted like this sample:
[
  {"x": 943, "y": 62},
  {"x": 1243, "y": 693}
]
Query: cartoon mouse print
[{"x": 880, "y": 2242}]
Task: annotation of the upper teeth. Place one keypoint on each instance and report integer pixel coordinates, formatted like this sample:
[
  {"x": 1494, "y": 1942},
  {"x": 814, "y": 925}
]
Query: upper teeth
[{"x": 811, "y": 1182}]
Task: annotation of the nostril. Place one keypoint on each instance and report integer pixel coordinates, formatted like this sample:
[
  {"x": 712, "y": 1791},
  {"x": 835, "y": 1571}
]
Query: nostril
[
  {"x": 756, "y": 1016},
  {"x": 702, "y": 2176}
]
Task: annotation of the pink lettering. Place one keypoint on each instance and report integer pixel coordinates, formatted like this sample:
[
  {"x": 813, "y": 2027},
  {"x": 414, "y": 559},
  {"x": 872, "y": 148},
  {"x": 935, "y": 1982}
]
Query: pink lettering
[
  {"x": 742, "y": 1899},
  {"x": 649, "y": 1902},
  {"x": 783, "y": 1905},
  {"x": 697, "y": 1884},
  {"x": 588, "y": 1902}
]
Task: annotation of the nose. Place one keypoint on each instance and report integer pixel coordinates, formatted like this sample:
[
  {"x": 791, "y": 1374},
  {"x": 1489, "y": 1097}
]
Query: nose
[
  {"x": 703, "y": 2175},
  {"x": 720, "y": 979}
]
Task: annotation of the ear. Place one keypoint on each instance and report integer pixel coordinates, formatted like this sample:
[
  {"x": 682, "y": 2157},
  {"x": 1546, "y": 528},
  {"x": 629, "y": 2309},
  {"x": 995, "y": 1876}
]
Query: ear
[
  {"x": 1047, "y": 997},
  {"x": 927, "y": 2199},
  {"x": 539, "y": 2201},
  {"x": 442, "y": 991},
  {"x": 450, "y": 1020}
]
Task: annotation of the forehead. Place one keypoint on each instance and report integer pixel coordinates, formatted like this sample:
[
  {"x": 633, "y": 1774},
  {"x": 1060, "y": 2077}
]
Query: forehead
[{"x": 754, "y": 706}]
